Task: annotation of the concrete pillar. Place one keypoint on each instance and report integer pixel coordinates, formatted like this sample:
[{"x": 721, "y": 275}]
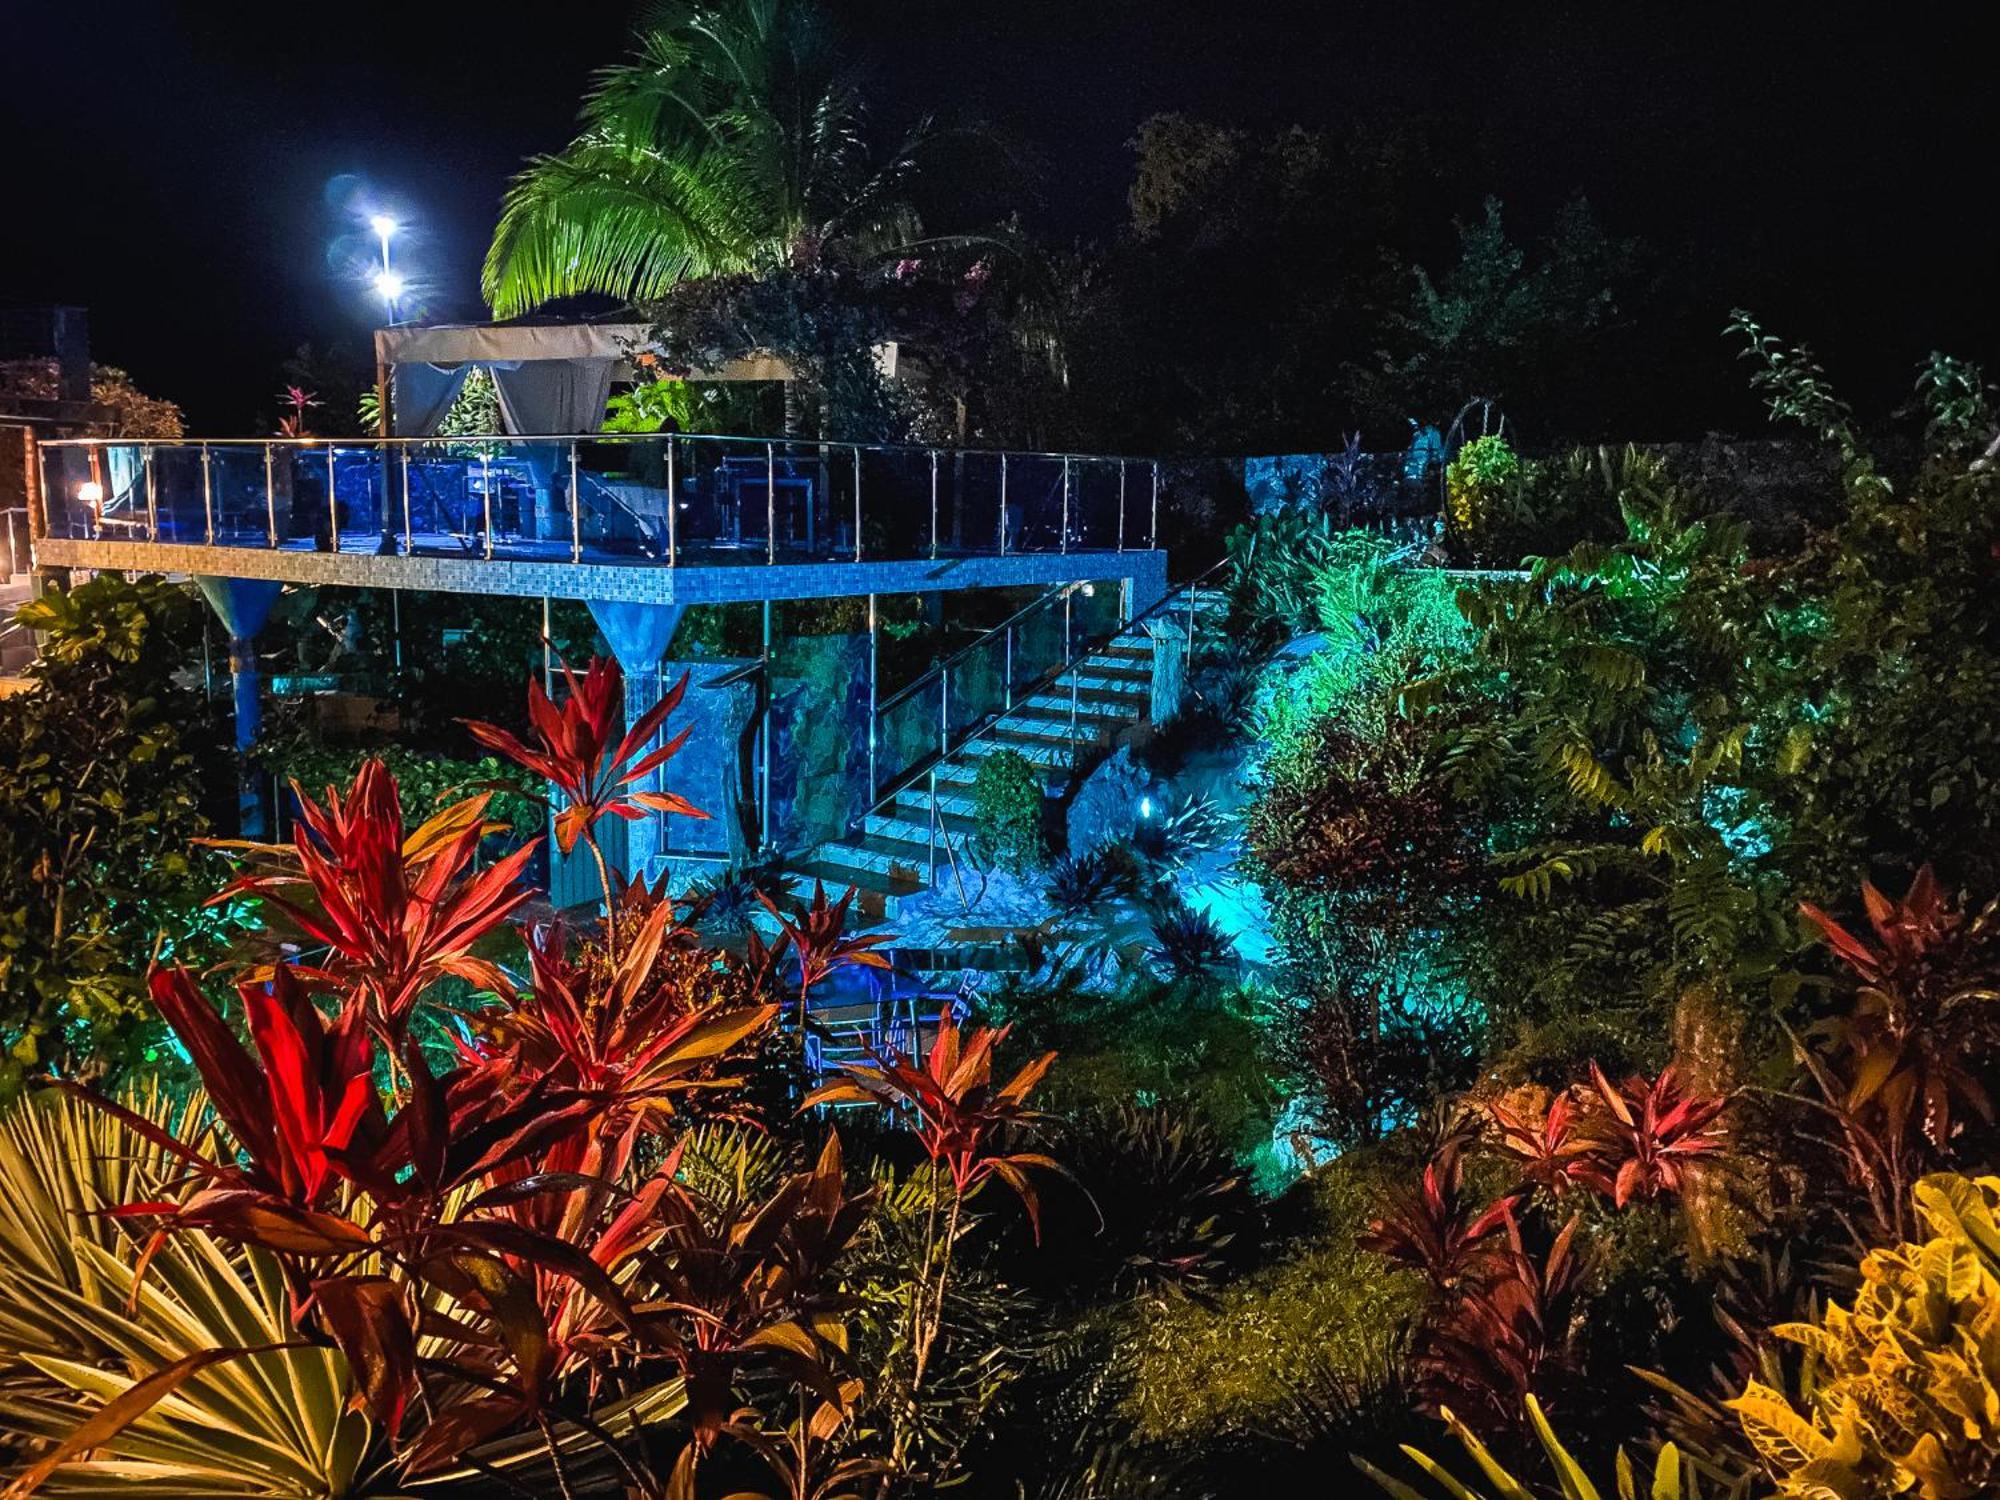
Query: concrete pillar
[
  {"x": 243, "y": 605},
  {"x": 639, "y": 635}
]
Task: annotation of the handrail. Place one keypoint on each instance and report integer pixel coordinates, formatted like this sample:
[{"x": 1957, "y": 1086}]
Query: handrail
[
  {"x": 1073, "y": 661},
  {"x": 944, "y": 664},
  {"x": 594, "y": 437}
]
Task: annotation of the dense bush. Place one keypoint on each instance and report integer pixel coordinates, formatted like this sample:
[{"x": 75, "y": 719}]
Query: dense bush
[
  {"x": 1010, "y": 813},
  {"x": 113, "y": 768}
]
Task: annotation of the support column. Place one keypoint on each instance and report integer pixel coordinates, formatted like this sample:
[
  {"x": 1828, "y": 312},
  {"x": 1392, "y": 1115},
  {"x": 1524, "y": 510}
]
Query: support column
[
  {"x": 639, "y": 635},
  {"x": 243, "y": 605}
]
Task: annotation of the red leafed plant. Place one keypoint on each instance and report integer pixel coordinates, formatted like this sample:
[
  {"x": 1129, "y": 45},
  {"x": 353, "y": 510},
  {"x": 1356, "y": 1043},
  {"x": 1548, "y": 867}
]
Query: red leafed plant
[
  {"x": 1547, "y": 1145},
  {"x": 393, "y": 911},
  {"x": 818, "y": 935},
  {"x": 464, "y": 1237},
  {"x": 1508, "y": 1335},
  {"x": 1435, "y": 1231},
  {"x": 578, "y": 749},
  {"x": 959, "y": 1114},
  {"x": 1924, "y": 1022},
  {"x": 1648, "y": 1139},
  {"x": 633, "y": 1034}
]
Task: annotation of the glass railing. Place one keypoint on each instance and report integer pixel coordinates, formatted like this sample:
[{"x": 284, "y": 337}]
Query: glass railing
[
  {"x": 1020, "y": 658},
  {"x": 651, "y": 500}
]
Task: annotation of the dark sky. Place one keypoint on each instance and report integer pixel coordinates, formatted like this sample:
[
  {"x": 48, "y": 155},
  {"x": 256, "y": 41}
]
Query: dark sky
[{"x": 169, "y": 166}]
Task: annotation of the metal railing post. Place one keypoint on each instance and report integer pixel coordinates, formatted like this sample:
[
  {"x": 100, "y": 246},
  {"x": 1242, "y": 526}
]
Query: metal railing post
[
  {"x": 152, "y": 496},
  {"x": 576, "y": 506},
  {"x": 1003, "y": 505},
  {"x": 409, "y": 532},
  {"x": 332, "y": 504},
  {"x": 944, "y": 712},
  {"x": 933, "y": 826},
  {"x": 934, "y": 500},
  {"x": 673, "y": 501},
  {"x": 1153, "y": 526},
  {"x": 1069, "y": 659},
  {"x": 873, "y": 663},
  {"x": 857, "y": 502},
  {"x": 271, "y": 494},
  {"x": 207, "y": 499},
  {"x": 770, "y": 503},
  {"x": 1121, "y": 505},
  {"x": 486, "y": 500},
  {"x": 1065, "y": 506},
  {"x": 1007, "y": 670}
]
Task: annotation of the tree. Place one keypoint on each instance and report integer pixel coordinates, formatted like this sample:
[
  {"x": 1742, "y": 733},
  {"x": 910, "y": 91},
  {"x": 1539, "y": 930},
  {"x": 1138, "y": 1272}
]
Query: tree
[
  {"x": 128, "y": 412},
  {"x": 731, "y": 142},
  {"x": 1499, "y": 323},
  {"x": 102, "y": 795}
]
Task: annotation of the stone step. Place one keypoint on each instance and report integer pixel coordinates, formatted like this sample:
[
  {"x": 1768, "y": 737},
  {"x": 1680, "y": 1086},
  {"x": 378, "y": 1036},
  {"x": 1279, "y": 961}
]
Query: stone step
[
  {"x": 878, "y": 895},
  {"x": 1043, "y": 753},
  {"x": 913, "y": 832},
  {"x": 1114, "y": 713},
  {"x": 1023, "y": 732},
  {"x": 1111, "y": 686},
  {"x": 954, "y": 805}
]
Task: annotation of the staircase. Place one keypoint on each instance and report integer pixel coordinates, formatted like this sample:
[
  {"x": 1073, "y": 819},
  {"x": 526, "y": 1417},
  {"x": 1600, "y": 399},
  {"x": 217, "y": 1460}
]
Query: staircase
[{"x": 893, "y": 854}]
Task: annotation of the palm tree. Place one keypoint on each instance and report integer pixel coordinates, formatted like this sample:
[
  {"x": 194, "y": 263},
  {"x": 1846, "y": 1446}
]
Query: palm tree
[{"x": 730, "y": 143}]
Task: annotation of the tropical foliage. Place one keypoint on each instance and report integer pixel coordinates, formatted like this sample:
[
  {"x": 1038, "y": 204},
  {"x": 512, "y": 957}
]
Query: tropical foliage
[{"x": 110, "y": 780}]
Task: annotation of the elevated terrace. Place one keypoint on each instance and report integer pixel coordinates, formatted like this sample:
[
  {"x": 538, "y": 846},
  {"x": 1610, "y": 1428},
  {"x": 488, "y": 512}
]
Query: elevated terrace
[
  {"x": 666, "y": 519},
  {"x": 640, "y": 528}
]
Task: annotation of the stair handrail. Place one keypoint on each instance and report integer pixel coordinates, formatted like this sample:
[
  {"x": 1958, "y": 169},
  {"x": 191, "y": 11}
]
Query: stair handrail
[
  {"x": 944, "y": 664},
  {"x": 1071, "y": 662}
]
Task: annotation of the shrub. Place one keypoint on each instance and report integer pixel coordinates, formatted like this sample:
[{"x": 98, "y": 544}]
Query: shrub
[
  {"x": 1084, "y": 884},
  {"x": 1237, "y": 1363},
  {"x": 1155, "y": 1202},
  {"x": 1907, "y": 1379},
  {"x": 1010, "y": 811},
  {"x": 111, "y": 766},
  {"x": 1475, "y": 485},
  {"x": 1189, "y": 943}
]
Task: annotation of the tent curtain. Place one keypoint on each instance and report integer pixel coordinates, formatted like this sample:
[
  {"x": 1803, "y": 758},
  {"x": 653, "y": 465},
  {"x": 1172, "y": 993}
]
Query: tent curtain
[
  {"x": 553, "y": 395},
  {"x": 422, "y": 394}
]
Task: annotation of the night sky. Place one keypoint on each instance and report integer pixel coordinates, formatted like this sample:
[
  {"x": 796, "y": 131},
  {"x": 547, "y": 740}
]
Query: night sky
[{"x": 181, "y": 169}]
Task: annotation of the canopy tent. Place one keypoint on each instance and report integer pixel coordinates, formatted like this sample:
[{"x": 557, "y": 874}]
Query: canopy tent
[{"x": 551, "y": 377}]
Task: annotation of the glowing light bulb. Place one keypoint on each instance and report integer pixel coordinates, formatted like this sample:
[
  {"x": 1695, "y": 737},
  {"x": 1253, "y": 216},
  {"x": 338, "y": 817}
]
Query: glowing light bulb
[{"x": 388, "y": 285}]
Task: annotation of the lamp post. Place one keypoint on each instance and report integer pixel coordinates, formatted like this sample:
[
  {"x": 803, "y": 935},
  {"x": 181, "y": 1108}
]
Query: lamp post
[{"x": 389, "y": 287}]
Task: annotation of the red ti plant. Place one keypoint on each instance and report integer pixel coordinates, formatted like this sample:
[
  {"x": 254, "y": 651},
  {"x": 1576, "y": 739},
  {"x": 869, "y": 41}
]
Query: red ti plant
[
  {"x": 754, "y": 1277},
  {"x": 1435, "y": 1231},
  {"x": 626, "y": 1035},
  {"x": 818, "y": 936},
  {"x": 1507, "y": 1335},
  {"x": 577, "y": 748},
  {"x": 394, "y": 911},
  {"x": 1548, "y": 1150},
  {"x": 299, "y": 1109},
  {"x": 959, "y": 1115},
  {"x": 1924, "y": 1020},
  {"x": 1648, "y": 1139}
]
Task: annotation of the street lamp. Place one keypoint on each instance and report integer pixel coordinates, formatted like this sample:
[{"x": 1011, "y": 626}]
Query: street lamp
[{"x": 388, "y": 285}]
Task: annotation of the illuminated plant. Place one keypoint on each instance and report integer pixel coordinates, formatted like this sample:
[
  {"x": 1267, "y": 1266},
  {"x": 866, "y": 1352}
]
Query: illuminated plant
[
  {"x": 959, "y": 1114},
  {"x": 1907, "y": 1398},
  {"x": 578, "y": 749}
]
